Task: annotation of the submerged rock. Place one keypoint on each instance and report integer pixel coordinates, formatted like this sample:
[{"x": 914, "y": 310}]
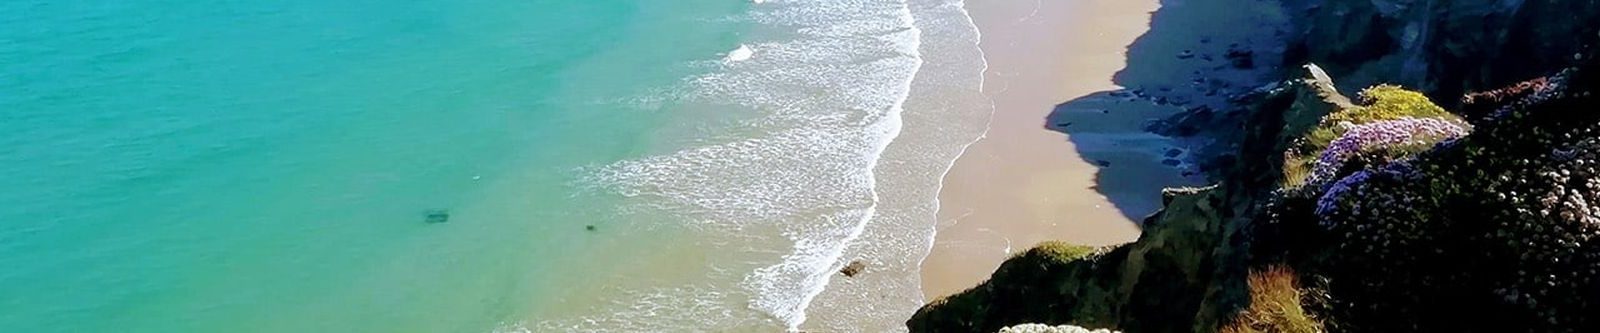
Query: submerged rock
[
  {"x": 853, "y": 269},
  {"x": 436, "y": 216}
]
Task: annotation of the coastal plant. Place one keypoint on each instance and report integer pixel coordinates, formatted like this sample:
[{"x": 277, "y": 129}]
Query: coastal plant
[
  {"x": 1503, "y": 223},
  {"x": 1377, "y": 103},
  {"x": 1389, "y": 102},
  {"x": 1386, "y": 117},
  {"x": 1383, "y": 141},
  {"x": 1062, "y": 252},
  {"x": 1275, "y": 305}
]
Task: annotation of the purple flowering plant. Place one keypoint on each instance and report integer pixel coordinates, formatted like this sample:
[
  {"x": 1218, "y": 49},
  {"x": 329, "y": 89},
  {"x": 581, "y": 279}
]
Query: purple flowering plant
[{"x": 1413, "y": 133}]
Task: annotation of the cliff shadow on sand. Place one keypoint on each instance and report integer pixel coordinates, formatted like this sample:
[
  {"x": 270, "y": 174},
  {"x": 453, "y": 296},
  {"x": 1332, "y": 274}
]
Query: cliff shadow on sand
[{"x": 1176, "y": 86}]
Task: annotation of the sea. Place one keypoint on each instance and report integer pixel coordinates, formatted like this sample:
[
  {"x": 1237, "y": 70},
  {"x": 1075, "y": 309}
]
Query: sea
[{"x": 476, "y": 165}]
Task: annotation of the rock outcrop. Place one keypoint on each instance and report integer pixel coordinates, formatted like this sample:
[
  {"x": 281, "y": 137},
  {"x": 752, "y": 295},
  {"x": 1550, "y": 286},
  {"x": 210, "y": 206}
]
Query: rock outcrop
[
  {"x": 1140, "y": 286},
  {"x": 1186, "y": 272},
  {"x": 1501, "y": 225}
]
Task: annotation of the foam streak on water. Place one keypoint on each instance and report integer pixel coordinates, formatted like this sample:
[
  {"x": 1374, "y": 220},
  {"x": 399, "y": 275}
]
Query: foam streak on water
[
  {"x": 794, "y": 183},
  {"x": 946, "y": 111}
]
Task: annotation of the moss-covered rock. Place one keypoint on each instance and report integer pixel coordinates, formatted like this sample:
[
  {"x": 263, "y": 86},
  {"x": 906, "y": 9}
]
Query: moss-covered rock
[{"x": 1157, "y": 284}]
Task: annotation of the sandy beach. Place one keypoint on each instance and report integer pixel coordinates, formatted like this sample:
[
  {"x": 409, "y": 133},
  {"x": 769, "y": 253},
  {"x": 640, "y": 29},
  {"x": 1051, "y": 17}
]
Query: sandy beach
[{"x": 1067, "y": 156}]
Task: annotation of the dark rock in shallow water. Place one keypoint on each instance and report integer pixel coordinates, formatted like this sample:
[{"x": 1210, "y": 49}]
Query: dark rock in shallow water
[
  {"x": 853, "y": 269},
  {"x": 436, "y": 216},
  {"x": 1171, "y": 162},
  {"x": 589, "y": 227},
  {"x": 1103, "y": 163},
  {"x": 1242, "y": 59},
  {"x": 1174, "y": 152}
]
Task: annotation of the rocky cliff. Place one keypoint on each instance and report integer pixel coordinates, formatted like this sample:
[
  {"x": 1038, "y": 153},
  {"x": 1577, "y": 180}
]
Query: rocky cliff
[
  {"x": 1443, "y": 47},
  {"x": 1413, "y": 221},
  {"x": 1187, "y": 272}
]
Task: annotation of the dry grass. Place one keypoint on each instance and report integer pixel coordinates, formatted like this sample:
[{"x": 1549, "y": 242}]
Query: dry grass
[
  {"x": 1296, "y": 171},
  {"x": 1274, "y": 305}
]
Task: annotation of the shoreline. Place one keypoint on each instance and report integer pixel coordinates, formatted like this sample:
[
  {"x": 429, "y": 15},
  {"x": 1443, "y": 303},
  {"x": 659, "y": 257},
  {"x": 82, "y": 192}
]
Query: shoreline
[
  {"x": 985, "y": 211},
  {"x": 1068, "y": 154}
]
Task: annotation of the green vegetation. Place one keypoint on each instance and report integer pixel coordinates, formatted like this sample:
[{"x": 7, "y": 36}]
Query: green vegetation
[
  {"x": 1390, "y": 102},
  {"x": 1028, "y": 287},
  {"x": 1060, "y": 252},
  {"x": 1377, "y": 104}
]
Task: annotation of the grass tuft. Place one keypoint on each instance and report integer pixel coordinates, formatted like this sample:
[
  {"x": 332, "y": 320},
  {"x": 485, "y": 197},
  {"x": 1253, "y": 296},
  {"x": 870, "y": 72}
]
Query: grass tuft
[
  {"x": 1274, "y": 305},
  {"x": 1062, "y": 252}
]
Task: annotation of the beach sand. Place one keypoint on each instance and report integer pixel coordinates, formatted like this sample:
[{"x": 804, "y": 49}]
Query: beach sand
[{"x": 1067, "y": 157}]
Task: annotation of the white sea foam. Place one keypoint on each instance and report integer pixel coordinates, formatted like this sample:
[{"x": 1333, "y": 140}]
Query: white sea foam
[
  {"x": 827, "y": 95},
  {"x": 945, "y": 112},
  {"x": 740, "y": 54}
]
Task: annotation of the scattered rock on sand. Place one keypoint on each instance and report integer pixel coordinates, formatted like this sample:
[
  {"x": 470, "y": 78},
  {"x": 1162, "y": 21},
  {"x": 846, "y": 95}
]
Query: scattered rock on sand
[{"x": 853, "y": 269}]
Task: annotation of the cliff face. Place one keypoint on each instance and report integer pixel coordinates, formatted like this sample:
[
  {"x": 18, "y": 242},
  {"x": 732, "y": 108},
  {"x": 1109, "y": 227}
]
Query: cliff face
[
  {"x": 1147, "y": 286},
  {"x": 1186, "y": 272},
  {"x": 1443, "y": 47},
  {"x": 1496, "y": 230},
  {"x": 1501, "y": 225}
]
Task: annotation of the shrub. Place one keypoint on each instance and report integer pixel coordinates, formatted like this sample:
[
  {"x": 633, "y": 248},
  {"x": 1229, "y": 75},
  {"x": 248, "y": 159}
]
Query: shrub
[
  {"x": 1501, "y": 225},
  {"x": 1397, "y": 109},
  {"x": 1061, "y": 252},
  {"x": 1383, "y": 141},
  {"x": 1274, "y": 305},
  {"x": 1378, "y": 103}
]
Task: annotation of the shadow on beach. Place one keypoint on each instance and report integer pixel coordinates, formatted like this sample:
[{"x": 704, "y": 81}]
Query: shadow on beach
[{"x": 1178, "y": 77}]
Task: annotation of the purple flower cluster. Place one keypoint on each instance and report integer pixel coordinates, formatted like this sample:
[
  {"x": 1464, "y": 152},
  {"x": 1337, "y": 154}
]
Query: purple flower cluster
[
  {"x": 1347, "y": 188},
  {"x": 1382, "y": 134}
]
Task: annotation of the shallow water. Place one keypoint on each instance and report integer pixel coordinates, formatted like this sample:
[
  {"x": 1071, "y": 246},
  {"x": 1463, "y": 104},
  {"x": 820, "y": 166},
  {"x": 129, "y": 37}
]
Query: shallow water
[{"x": 271, "y": 165}]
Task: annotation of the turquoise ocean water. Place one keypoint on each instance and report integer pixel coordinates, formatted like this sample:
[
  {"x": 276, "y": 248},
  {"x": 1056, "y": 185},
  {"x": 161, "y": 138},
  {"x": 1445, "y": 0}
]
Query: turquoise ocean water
[{"x": 268, "y": 166}]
